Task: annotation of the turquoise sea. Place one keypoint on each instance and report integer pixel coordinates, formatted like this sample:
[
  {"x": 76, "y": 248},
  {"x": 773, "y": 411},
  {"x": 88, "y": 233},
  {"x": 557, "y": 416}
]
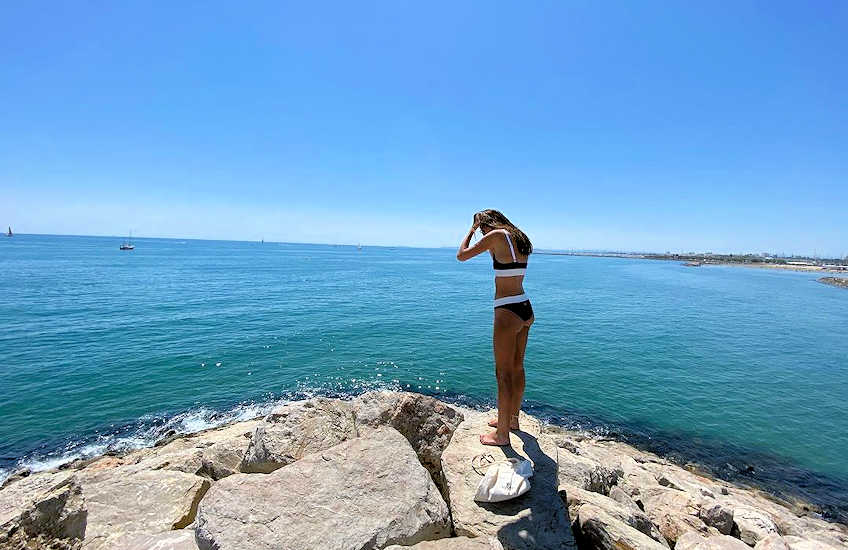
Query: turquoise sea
[{"x": 743, "y": 371}]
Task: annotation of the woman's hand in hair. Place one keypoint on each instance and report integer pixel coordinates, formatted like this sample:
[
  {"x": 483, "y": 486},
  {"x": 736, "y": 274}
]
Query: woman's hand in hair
[{"x": 467, "y": 250}]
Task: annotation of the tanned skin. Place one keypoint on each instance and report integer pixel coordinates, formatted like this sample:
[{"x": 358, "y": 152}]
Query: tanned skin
[{"x": 509, "y": 332}]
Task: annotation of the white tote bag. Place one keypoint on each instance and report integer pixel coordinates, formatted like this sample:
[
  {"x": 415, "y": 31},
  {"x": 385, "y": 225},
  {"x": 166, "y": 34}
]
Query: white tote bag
[{"x": 504, "y": 480}]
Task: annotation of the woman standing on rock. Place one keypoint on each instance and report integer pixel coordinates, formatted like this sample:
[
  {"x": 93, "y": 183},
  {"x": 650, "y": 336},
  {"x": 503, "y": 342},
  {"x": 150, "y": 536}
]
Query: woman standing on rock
[{"x": 513, "y": 312}]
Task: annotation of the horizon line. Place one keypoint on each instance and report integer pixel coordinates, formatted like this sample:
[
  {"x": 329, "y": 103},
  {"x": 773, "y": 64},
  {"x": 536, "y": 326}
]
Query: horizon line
[{"x": 540, "y": 250}]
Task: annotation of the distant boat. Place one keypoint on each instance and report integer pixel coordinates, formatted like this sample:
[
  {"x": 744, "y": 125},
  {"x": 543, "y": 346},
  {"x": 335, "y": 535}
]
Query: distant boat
[
  {"x": 128, "y": 245},
  {"x": 692, "y": 264},
  {"x": 359, "y": 247},
  {"x": 9, "y": 234}
]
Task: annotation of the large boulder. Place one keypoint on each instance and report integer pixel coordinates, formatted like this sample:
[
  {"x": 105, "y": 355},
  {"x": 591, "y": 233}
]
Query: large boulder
[
  {"x": 296, "y": 430},
  {"x": 629, "y": 514},
  {"x": 215, "y": 453},
  {"x": 537, "y": 519},
  {"x": 121, "y": 505},
  {"x": 798, "y": 543},
  {"x": 600, "y": 531},
  {"x": 587, "y": 472},
  {"x": 674, "y": 512},
  {"x": 716, "y": 514},
  {"x": 598, "y": 464},
  {"x": 694, "y": 541},
  {"x": 367, "y": 492},
  {"x": 751, "y": 525},
  {"x": 181, "y": 539},
  {"x": 427, "y": 423},
  {"x": 772, "y": 542},
  {"x": 455, "y": 543},
  {"x": 21, "y": 495},
  {"x": 44, "y": 508}
]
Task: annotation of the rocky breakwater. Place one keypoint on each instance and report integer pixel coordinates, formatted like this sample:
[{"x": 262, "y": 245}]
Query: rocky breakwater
[
  {"x": 621, "y": 498},
  {"x": 841, "y": 282},
  {"x": 388, "y": 470}
]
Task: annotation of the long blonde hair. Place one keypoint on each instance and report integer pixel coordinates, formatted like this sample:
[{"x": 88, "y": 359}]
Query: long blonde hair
[{"x": 496, "y": 220}]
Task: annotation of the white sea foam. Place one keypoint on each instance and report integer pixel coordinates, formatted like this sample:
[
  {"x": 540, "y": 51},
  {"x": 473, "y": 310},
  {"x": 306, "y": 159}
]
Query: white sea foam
[
  {"x": 150, "y": 428},
  {"x": 147, "y": 431}
]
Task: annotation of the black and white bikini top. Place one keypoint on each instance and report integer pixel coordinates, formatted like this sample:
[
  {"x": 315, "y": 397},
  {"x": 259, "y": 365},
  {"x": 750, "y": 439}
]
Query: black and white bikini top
[{"x": 511, "y": 269}]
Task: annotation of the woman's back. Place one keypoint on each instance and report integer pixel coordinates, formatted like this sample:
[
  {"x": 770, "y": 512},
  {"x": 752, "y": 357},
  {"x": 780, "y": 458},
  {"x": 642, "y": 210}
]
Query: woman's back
[{"x": 509, "y": 266}]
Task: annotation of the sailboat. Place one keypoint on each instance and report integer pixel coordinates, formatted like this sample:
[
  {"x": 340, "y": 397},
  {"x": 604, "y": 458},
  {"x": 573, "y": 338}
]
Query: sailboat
[
  {"x": 128, "y": 245},
  {"x": 9, "y": 234}
]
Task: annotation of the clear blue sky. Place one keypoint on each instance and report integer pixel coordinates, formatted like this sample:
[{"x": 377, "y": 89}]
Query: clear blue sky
[{"x": 617, "y": 125}]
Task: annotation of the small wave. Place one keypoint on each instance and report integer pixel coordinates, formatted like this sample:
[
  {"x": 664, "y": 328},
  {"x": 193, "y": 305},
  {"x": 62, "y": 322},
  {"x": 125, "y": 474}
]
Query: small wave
[
  {"x": 151, "y": 428},
  {"x": 145, "y": 432}
]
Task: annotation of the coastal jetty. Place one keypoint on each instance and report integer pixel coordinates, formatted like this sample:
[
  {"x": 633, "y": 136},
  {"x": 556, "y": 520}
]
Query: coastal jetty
[
  {"x": 390, "y": 470},
  {"x": 841, "y": 282}
]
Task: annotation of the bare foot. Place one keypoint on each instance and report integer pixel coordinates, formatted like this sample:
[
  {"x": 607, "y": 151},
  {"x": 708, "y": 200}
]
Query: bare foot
[
  {"x": 492, "y": 438},
  {"x": 512, "y": 425}
]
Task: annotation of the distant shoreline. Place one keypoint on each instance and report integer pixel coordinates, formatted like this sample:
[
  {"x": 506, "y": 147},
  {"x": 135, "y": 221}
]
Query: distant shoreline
[
  {"x": 801, "y": 268},
  {"x": 700, "y": 260}
]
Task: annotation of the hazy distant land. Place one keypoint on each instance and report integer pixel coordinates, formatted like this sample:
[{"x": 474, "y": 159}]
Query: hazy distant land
[{"x": 792, "y": 263}]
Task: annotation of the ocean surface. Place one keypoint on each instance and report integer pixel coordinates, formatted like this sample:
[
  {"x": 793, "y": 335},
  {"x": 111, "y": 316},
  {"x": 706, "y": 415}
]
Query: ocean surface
[{"x": 742, "y": 371}]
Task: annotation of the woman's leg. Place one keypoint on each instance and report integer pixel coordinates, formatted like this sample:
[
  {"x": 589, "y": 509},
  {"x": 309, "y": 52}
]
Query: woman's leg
[
  {"x": 518, "y": 388},
  {"x": 507, "y": 325}
]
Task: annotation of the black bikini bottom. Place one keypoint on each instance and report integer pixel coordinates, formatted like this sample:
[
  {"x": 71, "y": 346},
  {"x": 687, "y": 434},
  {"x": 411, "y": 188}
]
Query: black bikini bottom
[{"x": 523, "y": 309}]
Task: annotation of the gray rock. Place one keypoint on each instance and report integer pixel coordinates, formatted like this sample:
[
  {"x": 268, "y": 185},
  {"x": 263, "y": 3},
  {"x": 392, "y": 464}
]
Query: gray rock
[
  {"x": 455, "y": 543},
  {"x": 17, "y": 475},
  {"x": 602, "y": 479},
  {"x": 181, "y": 539},
  {"x": 587, "y": 473},
  {"x": 427, "y": 423},
  {"x": 575, "y": 470},
  {"x": 222, "y": 452},
  {"x": 631, "y": 515},
  {"x": 600, "y": 531},
  {"x": 752, "y": 525},
  {"x": 537, "y": 519},
  {"x": 673, "y": 512},
  {"x": 694, "y": 541},
  {"x": 18, "y": 497},
  {"x": 367, "y": 492},
  {"x": 215, "y": 453},
  {"x": 668, "y": 481},
  {"x": 618, "y": 495},
  {"x": 42, "y": 509},
  {"x": 297, "y": 430},
  {"x": 798, "y": 543},
  {"x": 60, "y": 513},
  {"x": 835, "y": 534},
  {"x": 121, "y": 505},
  {"x": 717, "y": 515},
  {"x": 829, "y": 537},
  {"x": 772, "y": 542}
]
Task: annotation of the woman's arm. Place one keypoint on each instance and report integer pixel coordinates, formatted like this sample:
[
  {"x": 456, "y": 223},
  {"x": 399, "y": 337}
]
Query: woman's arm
[{"x": 467, "y": 251}]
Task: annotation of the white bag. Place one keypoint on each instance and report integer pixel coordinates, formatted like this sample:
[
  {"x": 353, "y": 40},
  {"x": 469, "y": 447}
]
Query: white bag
[{"x": 504, "y": 480}]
